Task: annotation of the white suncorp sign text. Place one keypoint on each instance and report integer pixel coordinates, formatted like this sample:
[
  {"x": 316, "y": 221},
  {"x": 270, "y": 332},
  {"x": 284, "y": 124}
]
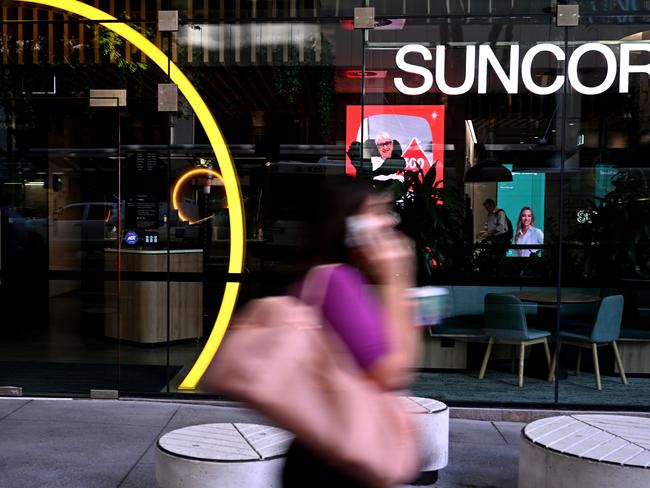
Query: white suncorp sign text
[{"x": 510, "y": 80}]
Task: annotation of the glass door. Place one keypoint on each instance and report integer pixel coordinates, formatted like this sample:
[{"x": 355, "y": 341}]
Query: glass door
[
  {"x": 606, "y": 217},
  {"x": 59, "y": 232},
  {"x": 459, "y": 120},
  {"x": 86, "y": 216}
]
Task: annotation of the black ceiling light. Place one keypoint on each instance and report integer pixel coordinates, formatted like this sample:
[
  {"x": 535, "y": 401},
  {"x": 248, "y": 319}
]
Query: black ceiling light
[{"x": 487, "y": 171}]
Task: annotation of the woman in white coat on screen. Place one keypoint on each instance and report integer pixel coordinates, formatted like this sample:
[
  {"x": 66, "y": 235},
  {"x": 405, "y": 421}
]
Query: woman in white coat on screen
[{"x": 527, "y": 233}]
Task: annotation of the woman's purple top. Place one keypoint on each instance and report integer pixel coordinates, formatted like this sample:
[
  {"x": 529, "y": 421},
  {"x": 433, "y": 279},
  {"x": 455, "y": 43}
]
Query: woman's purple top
[{"x": 354, "y": 312}]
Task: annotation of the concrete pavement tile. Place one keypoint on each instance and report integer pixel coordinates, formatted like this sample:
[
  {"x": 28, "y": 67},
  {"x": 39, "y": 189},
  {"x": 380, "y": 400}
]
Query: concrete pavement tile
[
  {"x": 511, "y": 431},
  {"x": 150, "y": 456},
  {"x": 10, "y": 405},
  {"x": 69, "y": 454},
  {"x": 200, "y": 414},
  {"x": 116, "y": 412},
  {"x": 474, "y": 431},
  {"x": 143, "y": 475},
  {"x": 84, "y": 443},
  {"x": 480, "y": 465},
  {"x": 205, "y": 414},
  {"x": 452, "y": 484}
]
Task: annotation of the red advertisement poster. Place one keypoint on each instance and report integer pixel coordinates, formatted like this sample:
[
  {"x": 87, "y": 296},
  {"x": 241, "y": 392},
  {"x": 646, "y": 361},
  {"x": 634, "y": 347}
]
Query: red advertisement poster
[{"x": 396, "y": 138}]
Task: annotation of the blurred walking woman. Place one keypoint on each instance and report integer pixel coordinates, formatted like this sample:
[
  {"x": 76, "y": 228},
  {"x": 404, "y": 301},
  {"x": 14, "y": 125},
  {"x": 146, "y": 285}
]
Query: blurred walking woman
[
  {"x": 527, "y": 233},
  {"x": 353, "y": 229}
]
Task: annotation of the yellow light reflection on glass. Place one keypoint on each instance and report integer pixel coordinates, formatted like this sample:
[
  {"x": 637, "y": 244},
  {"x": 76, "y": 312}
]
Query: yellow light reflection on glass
[
  {"x": 179, "y": 184},
  {"x": 229, "y": 175}
]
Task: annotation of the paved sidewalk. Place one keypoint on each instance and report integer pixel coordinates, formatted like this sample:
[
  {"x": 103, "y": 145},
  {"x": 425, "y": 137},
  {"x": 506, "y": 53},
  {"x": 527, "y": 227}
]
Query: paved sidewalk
[{"x": 105, "y": 443}]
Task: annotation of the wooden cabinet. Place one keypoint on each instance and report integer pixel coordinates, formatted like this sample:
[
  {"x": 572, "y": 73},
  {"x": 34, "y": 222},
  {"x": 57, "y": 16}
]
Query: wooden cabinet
[
  {"x": 635, "y": 355},
  {"x": 141, "y": 314}
]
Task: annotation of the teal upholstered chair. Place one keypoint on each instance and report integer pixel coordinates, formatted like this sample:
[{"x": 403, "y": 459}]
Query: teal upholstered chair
[
  {"x": 505, "y": 323},
  {"x": 605, "y": 331}
]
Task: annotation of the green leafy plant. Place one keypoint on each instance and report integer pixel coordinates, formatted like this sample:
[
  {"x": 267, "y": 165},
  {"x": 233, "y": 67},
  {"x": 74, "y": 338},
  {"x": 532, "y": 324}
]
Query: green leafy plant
[
  {"x": 325, "y": 95},
  {"x": 433, "y": 216},
  {"x": 287, "y": 80},
  {"x": 618, "y": 229},
  {"x": 112, "y": 47}
]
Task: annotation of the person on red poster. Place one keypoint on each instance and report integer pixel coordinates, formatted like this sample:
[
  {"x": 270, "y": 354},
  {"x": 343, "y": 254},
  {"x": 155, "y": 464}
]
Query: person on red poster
[
  {"x": 387, "y": 142},
  {"x": 390, "y": 164},
  {"x": 384, "y": 145}
]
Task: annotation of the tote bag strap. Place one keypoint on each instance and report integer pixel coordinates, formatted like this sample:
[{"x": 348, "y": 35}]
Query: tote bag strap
[{"x": 315, "y": 285}]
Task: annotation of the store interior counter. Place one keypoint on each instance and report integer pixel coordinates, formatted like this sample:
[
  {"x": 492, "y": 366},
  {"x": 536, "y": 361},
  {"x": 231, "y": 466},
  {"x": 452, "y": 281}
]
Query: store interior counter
[{"x": 142, "y": 312}]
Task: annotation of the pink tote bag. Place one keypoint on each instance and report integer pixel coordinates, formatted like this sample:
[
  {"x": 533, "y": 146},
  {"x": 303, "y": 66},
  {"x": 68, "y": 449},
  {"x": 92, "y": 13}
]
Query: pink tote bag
[{"x": 279, "y": 358}]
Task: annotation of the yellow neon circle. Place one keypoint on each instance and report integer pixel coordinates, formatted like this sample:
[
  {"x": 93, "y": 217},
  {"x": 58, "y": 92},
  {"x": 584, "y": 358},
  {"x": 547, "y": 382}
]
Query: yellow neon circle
[
  {"x": 179, "y": 184},
  {"x": 229, "y": 175}
]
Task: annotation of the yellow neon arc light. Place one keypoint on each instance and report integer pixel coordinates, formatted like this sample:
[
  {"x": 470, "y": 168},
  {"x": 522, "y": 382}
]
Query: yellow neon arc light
[
  {"x": 229, "y": 175},
  {"x": 177, "y": 188}
]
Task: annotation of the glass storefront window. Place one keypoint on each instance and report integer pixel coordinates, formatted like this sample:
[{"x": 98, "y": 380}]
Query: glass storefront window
[
  {"x": 515, "y": 156},
  {"x": 604, "y": 212}
]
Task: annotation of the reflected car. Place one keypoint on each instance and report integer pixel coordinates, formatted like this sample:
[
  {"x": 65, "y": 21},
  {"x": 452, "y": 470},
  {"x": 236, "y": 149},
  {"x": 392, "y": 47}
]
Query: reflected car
[{"x": 88, "y": 222}]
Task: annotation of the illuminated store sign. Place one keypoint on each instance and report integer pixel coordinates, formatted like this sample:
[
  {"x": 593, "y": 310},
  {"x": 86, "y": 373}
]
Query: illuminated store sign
[
  {"x": 510, "y": 79},
  {"x": 131, "y": 238}
]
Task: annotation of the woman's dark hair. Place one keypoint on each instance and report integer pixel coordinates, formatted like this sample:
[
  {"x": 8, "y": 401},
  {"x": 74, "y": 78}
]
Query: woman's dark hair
[{"x": 324, "y": 239}]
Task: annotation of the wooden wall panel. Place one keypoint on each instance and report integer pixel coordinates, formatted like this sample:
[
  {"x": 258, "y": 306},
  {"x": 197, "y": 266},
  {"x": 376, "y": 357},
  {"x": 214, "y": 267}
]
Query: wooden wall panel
[
  {"x": 143, "y": 304},
  {"x": 35, "y": 33},
  {"x": 230, "y": 35},
  {"x": 5, "y": 36}
]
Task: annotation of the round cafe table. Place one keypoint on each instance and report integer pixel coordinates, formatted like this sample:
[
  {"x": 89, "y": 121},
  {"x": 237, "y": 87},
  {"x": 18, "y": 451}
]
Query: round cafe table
[
  {"x": 549, "y": 302},
  {"x": 550, "y": 297}
]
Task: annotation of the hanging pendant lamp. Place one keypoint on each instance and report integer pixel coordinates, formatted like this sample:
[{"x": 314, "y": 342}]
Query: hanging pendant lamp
[{"x": 487, "y": 171}]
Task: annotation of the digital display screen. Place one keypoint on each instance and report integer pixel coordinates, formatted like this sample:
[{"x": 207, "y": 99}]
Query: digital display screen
[
  {"x": 524, "y": 195},
  {"x": 396, "y": 138}
]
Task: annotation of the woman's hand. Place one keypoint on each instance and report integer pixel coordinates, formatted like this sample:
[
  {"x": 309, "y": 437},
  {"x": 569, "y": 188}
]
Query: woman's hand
[
  {"x": 391, "y": 262},
  {"x": 388, "y": 257},
  {"x": 383, "y": 252},
  {"x": 386, "y": 254},
  {"x": 391, "y": 258}
]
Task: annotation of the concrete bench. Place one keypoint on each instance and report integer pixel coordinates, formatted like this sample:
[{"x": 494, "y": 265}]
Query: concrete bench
[
  {"x": 222, "y": 455},
  {"x": 249, "y": 455},
  {"x": 595, "y": 451},
  {"x": 432, "y": 418}
]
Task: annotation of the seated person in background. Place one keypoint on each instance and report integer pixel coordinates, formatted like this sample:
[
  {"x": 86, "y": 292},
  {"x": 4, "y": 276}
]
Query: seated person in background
[
  {"x": 497, "y": 226},
  {"x": 527, "y": 233}
]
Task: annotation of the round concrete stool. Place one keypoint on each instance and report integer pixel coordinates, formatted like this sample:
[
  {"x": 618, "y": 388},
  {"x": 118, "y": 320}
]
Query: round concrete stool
[
  {"x": 222, "y": 455},
  {"x": 433, "y": 421},
  {"x": 595, "y": 451}
]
